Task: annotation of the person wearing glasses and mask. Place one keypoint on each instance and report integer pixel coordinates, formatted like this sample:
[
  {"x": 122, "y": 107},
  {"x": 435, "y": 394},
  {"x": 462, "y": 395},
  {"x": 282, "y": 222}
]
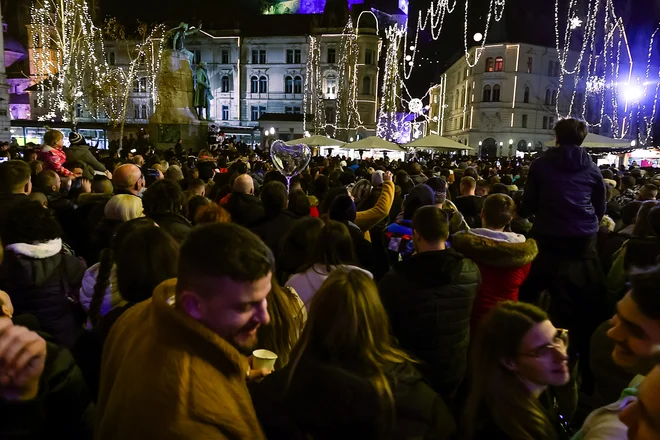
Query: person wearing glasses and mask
[{"x": 518, "y": 354}]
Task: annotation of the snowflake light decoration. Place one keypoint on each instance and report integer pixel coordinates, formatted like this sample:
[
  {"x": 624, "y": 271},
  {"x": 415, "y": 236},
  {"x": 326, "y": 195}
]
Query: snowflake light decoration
[
  {"x": 595, "y": 85},
  {"x": 575, "y": 23},
  {"x": 415, "y": 105}
]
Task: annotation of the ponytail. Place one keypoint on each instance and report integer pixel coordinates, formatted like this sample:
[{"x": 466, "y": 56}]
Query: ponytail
[{"x": 102, "y": 282}]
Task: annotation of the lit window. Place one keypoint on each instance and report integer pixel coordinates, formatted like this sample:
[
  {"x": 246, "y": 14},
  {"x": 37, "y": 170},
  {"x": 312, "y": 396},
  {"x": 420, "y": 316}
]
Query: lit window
[
  {"x": 489, "y": 64},
  {"x": 499, "y": 64}
]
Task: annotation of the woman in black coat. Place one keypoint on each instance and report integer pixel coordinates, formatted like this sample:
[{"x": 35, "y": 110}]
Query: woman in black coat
[
  {"x": 41, "y": 278},
  {"x": 346, "y": 379}
]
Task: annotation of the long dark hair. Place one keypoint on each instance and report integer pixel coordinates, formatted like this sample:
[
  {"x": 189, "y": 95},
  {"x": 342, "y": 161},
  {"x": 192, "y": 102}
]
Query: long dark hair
[
  {"x": 494, "y": 388},
  {"x": 334, "y": 247},
  {"x": 107, "y": 261},
  {"x": 347, "y": 326},
  {"x": 298, "y": 244},
  {"x": 144, "y": 259}
]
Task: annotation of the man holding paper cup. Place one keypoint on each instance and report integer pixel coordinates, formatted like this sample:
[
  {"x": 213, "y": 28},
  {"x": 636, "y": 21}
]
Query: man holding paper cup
[{"x": 174, "y": 366}]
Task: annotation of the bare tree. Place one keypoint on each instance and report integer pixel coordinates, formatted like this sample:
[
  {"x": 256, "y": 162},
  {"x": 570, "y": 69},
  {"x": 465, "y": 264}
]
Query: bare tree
[
  {"x": 137, "y": 58},
  {"x": 68, "y": 62}
]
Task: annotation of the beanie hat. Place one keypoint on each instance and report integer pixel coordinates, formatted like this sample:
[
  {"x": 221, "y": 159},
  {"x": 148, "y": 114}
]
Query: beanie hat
[
  {"x": 420, "y": 195},
  {"x": 377, "y": 178},
  {"x": 76, "y": 138},
  {"x": 343, "y": 209}
]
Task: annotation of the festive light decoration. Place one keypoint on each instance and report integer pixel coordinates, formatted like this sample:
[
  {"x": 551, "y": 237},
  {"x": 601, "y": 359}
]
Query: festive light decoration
[
  {"x": 415, "y": 105},
  {"x": 434, "y": 18},
  {"x": 388, "y": 121},
  {"x": 603, "y": 57},
  {"x": 348, "y": 116},
  {"x": 142, "y": 57},
  {"x": 313, "y": 96},
  {"x": 575, "y": 23},
  {"x": 68, "y": 58}
]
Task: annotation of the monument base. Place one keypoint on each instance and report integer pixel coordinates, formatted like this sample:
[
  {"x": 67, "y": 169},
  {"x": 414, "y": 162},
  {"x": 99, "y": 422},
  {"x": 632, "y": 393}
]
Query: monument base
[
  {"x": 174, "y": 117},
  {"x": 194, "y": 136}
]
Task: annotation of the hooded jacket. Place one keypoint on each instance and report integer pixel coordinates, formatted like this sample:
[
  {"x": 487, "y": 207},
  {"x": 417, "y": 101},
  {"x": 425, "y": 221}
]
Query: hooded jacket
[
  {"x": 166, "y": 376},
  {"x": 326, "y": 401},
  {"x": 81, "y": 153},
  {"x": 39, "y": 278},
  {"x": 428, "y": 298},
  {"x": 566, "y": 191},
  {"x": 504, "y": 261}
]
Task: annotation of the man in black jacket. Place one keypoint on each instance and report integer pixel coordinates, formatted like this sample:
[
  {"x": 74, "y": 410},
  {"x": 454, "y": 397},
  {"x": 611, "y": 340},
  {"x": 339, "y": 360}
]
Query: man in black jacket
[
  {"x": 277, "y": 220},
  {"x": 429, "y": 299},
  {"x": 41, "y": 388},
  {"x": 15, "y": 187},
  {"x": 245, "y": 209}
]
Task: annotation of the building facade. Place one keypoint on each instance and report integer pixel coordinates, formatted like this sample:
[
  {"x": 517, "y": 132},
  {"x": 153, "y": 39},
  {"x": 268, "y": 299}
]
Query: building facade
[
  {"x": 506, "y": 103},
  {"x": 252, "y": 76}
]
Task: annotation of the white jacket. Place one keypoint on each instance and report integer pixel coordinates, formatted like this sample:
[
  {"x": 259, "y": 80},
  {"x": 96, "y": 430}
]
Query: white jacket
[
  {"x": 111, "y": 298},
  {"x": 307, "y": 283}
]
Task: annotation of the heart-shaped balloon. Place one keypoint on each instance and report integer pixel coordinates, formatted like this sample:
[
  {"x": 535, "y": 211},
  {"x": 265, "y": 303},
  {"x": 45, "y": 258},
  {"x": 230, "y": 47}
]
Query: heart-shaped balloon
[{"x": 290, "y": 160}]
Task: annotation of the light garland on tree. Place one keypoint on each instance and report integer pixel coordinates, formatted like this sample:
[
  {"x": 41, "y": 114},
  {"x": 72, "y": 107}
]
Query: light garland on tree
[
  {"x": 66, "y": 47},
  {"x": 391, "y": 84},
  {"x": 347, "y": 81},
  {"x": 313, "y": 96}
]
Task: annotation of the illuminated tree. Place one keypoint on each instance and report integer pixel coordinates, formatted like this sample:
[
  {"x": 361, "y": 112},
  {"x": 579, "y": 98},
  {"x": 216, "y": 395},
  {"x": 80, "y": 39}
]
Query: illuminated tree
[
  {"x": 136, "y": 59},
  {"x": 67, "y": 56}
]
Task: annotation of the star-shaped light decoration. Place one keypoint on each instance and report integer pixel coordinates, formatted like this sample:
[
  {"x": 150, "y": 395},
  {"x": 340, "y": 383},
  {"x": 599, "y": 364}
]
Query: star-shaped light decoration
[{"x": 575, "y": 23}]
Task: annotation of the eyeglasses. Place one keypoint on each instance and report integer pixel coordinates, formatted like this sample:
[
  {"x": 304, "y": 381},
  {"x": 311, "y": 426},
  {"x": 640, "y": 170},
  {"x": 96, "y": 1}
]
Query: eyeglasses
[{"x": 560, "y": 342}]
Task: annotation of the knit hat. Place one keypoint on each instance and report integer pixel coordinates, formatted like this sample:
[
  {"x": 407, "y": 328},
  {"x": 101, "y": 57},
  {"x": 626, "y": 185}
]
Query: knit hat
[
  {"x": 377, "y": 178},
  {"x": 420, "y": 195},
  {"x": 343, "y": 209},
  {"x": 174, "y": 173},
  {"x": 76, "y": 138}
]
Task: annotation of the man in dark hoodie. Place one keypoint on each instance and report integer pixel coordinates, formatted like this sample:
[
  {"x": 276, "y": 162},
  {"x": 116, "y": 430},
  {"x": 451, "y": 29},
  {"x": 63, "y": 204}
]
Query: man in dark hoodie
[
  {"x": 245, "y": 209},
  {"x": 78, "y": 151},
  {"x": 428, "y": 298},
  {"x": 566, "y": 191}
]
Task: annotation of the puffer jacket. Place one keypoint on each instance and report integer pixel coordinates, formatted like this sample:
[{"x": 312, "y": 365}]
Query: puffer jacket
[
  {"x": 428, "y": 298},
  {"x": 39, "y": 278},
  {"x": 111, "y": 299},
  {"x": 566, "y": 192},
  {"x": 504, "y": 260}
]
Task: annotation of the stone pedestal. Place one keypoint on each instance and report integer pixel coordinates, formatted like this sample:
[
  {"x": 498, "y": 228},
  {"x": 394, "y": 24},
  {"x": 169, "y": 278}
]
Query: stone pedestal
[{"x": 175, "y": 118}]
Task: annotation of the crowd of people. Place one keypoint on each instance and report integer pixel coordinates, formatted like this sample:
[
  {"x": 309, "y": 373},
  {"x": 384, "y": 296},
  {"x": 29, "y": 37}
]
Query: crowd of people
[{"x": 446, "y": 298}]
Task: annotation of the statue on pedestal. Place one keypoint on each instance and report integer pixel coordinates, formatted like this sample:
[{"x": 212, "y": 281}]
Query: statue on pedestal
[
  {"x": 202, "y": 98},
  {"x": 175, "y": 38}
]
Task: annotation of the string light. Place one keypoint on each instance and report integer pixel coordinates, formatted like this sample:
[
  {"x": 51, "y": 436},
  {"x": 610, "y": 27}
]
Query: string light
[
  {"x": 313, "y": 96},
  {"x": 347, "y": 86},
  {"x": 66, "y": 54}
]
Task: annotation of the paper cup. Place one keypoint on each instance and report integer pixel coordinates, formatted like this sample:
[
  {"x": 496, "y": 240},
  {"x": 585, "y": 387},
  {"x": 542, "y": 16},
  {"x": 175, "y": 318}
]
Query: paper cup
[{"x": 263, "y": 359}]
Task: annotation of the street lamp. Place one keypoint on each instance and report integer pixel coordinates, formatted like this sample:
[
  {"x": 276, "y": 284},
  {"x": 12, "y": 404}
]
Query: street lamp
[
  {"x": 350, "y": 139},
  {"x": 510, "y": 141},
  {"x": 272, "y": 131},
  {"x": 633, "y": 144}
]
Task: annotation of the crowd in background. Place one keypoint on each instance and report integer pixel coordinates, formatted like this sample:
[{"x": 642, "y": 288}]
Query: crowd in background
[{"x": 442, "y": 298}]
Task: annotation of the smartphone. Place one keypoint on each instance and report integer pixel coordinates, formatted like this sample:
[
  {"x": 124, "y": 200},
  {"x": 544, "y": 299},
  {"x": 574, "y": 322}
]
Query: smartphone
[{"x": 4, "y": 159}]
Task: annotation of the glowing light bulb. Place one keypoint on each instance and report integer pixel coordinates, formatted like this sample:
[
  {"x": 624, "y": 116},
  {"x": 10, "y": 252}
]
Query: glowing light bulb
[{"x": 478, "y": 37}]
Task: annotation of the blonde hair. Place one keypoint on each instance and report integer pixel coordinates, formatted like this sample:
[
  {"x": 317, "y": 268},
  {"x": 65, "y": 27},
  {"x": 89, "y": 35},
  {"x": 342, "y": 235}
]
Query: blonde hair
[
  {"x": 348, "y": 325},
  {"x": 124, "y": 207}
]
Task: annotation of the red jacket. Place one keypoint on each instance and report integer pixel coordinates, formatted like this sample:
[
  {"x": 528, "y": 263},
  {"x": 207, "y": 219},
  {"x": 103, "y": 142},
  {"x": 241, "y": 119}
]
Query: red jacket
[
  {"x": 54, "y": 160},
  {"x": 504, "y": 260}
]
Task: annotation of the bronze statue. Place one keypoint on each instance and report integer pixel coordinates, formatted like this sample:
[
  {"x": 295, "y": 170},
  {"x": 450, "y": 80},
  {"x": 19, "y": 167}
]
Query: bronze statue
[
  {"x": 175, "y": 38},
  {"x": 202, "y": 98}
]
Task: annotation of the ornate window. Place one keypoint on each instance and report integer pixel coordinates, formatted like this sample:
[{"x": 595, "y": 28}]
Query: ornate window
[{"x": 486, "y": 95}]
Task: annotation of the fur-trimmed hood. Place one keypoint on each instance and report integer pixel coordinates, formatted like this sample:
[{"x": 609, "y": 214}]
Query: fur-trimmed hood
[{"x": 505, "y": 250}]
